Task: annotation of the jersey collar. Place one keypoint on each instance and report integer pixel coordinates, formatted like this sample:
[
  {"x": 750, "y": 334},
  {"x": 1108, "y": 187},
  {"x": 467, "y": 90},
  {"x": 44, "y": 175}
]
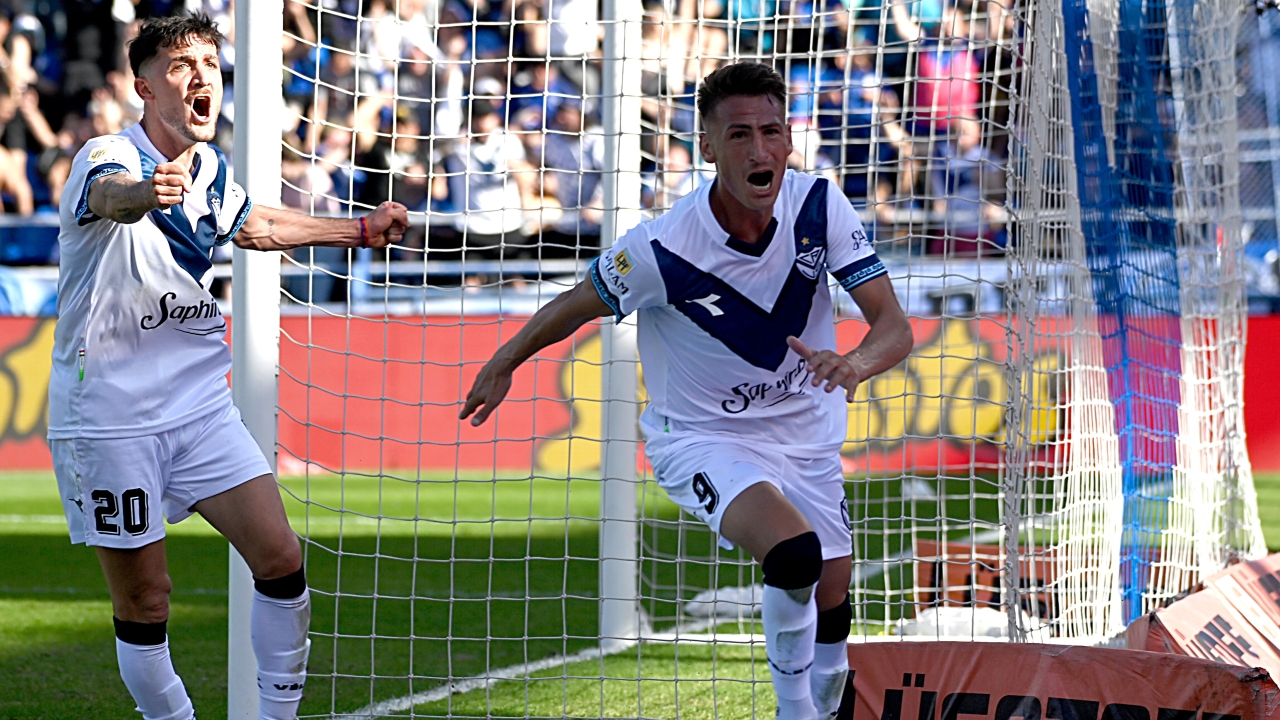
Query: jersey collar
[{"x": 736, "y": 244}]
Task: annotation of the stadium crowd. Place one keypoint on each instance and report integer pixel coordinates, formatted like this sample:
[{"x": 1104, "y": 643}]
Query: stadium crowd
[{"x": 484, "y": 115}]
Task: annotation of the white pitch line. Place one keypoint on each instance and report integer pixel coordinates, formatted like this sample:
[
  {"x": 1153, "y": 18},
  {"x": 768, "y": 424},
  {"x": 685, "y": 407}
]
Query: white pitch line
[
  {"x": 694, "y": 635},
  {"x": 33, "y": 520},
  {"x": 476, "y": 682}
]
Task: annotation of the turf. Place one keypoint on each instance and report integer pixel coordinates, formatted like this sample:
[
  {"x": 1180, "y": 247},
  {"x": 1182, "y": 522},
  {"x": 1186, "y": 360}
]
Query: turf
[{"x": 530, "y": 545}]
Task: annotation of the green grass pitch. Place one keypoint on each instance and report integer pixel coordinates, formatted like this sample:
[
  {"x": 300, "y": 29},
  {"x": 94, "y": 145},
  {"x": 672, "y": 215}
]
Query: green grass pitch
[{"x": 509, "y": 542}]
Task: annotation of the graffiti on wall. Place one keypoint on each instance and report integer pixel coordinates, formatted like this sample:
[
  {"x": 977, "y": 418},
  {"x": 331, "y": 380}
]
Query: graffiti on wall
[
  {"x": 26, "y": 361},
  {"x": 393, "y": 403}
]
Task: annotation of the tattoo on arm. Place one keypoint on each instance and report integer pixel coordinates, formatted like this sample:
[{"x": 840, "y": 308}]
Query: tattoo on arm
[
  {"x": 118, "y": 197},
  {"x": 271, "y": 227}
]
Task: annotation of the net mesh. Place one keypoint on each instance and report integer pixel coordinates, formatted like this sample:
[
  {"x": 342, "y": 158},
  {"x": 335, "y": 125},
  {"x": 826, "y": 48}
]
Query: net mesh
[{"x": 1052, "y": 186}]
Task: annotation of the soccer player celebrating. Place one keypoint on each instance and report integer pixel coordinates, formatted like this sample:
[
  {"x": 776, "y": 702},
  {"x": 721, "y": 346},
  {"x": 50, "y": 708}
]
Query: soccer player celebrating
[
  {"x": 737, "y": 339},
  {"x": 141, "y": 424}
]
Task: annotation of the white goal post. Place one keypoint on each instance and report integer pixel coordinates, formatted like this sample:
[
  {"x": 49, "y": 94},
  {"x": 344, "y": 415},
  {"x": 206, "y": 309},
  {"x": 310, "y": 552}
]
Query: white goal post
[
  {"x": 1054, "y": 193},
  {"x": 255, "y": 303}
]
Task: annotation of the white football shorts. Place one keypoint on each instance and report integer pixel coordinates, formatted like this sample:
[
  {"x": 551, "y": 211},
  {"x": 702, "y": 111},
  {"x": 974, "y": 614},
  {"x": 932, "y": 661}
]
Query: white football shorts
[
  {"x": 704, "y": 474},
  {"x": 116, "y": 492}
]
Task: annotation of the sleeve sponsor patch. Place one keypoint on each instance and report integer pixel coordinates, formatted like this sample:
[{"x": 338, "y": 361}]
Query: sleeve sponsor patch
[
  {"x": 622, "y": 263},
  {"x": 602, "y": 288},
  {"x": 98, "y": 154}
]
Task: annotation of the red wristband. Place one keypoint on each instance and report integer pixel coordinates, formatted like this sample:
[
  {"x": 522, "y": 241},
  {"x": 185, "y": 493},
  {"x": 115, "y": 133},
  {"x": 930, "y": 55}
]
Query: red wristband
[{"x": 364, "y": 234}]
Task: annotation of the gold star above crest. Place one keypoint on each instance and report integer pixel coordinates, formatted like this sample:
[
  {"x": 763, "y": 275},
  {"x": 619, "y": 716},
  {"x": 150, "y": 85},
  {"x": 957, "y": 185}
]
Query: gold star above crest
[{"x": 804, "y": 241}]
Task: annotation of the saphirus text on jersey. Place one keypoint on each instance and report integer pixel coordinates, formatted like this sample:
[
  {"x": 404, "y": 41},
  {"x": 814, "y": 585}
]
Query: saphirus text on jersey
[
  {"x": 181, "y": 313},
  {"x": 790, "y": 384}
]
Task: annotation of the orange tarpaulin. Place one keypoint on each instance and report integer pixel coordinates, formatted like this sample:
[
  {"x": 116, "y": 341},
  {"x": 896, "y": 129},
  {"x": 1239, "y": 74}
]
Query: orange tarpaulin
[
  {"x": 1253, "y": 588},
  {"x": 1204, "y": 625}
]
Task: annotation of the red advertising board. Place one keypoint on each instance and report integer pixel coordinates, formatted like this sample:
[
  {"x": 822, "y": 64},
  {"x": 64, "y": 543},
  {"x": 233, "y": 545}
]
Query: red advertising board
[
  {"x": 373, "y": 395},
  {"x": 1001, "y": 681},
  {"x": 363, "y": 394}
]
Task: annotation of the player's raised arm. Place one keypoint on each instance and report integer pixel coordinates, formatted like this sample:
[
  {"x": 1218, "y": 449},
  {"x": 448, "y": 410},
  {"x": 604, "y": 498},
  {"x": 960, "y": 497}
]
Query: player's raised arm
[
  {"x": 556, "y": 321},
  {"x": 275, "y": 229},
  {"x": 887, "y": 343},
  {"x": 120, "y": 198}
]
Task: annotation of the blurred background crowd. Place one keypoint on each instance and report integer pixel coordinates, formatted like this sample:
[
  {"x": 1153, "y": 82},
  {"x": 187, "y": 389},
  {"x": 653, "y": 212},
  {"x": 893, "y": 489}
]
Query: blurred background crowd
[
  {"x": 487, "y": 114},
  {"x": 483, "y": 116}
]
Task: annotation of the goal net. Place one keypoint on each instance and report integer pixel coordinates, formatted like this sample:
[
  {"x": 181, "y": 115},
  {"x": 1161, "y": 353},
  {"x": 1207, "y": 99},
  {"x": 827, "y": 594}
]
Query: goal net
[{"x": 1053, "y": 187}]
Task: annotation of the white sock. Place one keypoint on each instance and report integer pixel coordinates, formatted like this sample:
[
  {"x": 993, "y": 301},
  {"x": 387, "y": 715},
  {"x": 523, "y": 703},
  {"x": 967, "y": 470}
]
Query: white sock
[
  {"x": 790, "y": 619},
  {"x": 279, "y": 634},
  {"x": 827, "y": 678},
  {"x": 148, "y": 672}
]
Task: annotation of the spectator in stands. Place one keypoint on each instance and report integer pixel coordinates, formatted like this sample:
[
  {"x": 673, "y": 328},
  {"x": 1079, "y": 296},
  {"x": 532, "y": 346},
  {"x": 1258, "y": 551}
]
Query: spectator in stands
[
  {"x": 22, "y": 37},
  {"x": 306, "y": 186},
  {"x": 121, "y": 83},
  {"x": 482, "y": 21},
  {"x": 56, "y": 166},
  {"x": 698, "y": 35},
  {"x": 337, "y": 26},
  {"x": 753, "y": 20},
  {"x": 415, "y": 86},
  {"x": 574, "y": 41},
  {"x": 13, "y": 160},
  {"x": 334, "y": 155},
  {"x": 573, "y": 156},
  {"x": 866, "y": 137},
  {"x": 811, "y": 25},
  {"x": 28, "y": 143},
  {"x": 536, "y": 94},
  {"x": 489, "y": 176},
  {"x": 340, "y": 84},
  {"x": 947, "y": 72},
  {"x": 529, "y": 30},
  {"x": 967, "y": 183},
  {"x": 388, "y": 31},
  {"x": 451, "y": 85},
  {"x": 395, "y": 167},
  {"x": 678, "y": 177}
]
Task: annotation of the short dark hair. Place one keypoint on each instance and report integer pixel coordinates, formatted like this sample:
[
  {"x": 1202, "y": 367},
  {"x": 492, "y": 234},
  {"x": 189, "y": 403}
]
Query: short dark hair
[
  {"x": 482, "y": 108},
  {"x": 175, "y": 31},
  {"x": 740, "y": 79}
]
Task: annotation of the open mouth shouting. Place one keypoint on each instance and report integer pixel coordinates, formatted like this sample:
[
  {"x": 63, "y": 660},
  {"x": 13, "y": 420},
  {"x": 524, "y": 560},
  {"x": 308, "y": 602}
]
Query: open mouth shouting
[
  {"x": 761, "y": 180},
  {"x": 202, "y": 109}
]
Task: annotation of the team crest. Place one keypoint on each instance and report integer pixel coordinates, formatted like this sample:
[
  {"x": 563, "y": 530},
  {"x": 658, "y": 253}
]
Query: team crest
[
  {"x": 622, "y": 262},
  {"x": 811, "y": 232},
  {"x": 811, "y": 255},
  {"x": 216, "y": 205},
  {"x": 97, "y": 155}
]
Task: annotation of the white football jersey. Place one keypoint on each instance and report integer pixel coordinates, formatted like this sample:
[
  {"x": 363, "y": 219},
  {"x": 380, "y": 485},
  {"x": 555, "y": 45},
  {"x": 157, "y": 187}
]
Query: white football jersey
[
  {"x": 139, "y": 346},
  {"x": 715, "y": 313}
]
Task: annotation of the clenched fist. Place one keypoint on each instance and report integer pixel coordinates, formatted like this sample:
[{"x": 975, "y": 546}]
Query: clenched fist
[
  {"x": 386, "y": 224},
  {"x": 169, "y": 183}
]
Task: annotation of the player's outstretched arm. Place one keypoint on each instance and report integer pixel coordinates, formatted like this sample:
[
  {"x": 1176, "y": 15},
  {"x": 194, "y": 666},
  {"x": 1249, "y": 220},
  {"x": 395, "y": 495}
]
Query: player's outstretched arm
[
  {"x": 887, "y": 342},
  {"x": 120, "y": 198},
  {"x": 275, "y": 229},
  {"x": 556, "y": 321}
]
